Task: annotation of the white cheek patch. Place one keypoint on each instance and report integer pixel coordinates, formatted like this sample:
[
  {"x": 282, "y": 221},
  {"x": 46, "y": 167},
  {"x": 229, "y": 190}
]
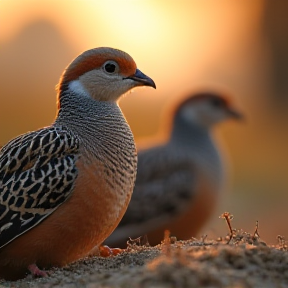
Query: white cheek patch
[{"x": 76, "y": 87}]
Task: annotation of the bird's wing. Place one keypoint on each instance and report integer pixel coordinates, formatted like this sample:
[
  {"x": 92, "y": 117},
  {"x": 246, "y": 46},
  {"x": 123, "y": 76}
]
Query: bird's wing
[
  {"x": 165, "y": 183},
  {"x": 37, "y": 174}
]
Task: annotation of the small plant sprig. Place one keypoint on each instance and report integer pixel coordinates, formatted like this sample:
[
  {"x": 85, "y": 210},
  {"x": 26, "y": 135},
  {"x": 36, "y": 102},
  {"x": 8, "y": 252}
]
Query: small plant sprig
[
  {"x": 166, "y": 247},
  {"x": 228, "y": 218},
  {"x": 256, "y": 234},
  {"x": 240, "y": 236},
  {"x": 138, "y": 243},
  {"x": 282, "y": 243}
]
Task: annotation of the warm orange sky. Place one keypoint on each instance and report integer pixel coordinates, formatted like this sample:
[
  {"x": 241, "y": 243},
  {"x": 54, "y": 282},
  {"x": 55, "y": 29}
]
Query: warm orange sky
[
  {"x": 155, "y": 32},
  {"x": 182, "y": 45}
]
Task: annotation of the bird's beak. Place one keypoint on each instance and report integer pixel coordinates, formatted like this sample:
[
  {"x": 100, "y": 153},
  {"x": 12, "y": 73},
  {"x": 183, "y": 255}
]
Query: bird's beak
[
  {"x": 235, "y": 114},
  {"x": 142, "y": 79}
]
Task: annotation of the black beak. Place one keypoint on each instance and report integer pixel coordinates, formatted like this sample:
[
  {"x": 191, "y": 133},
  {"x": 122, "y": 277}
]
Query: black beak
[
  {"x": 235, "y": 114},
  {"x": 142, "y": 79}
]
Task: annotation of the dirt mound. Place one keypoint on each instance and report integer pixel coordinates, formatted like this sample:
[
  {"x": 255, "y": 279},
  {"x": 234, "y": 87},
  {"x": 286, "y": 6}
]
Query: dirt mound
[{"x": 238, "y": 260}]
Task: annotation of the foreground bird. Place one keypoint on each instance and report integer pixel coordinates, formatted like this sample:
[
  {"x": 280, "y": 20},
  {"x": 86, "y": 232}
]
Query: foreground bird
[
  {"x": 178, "y": 183},
  {"x": 64, "y": 188}
]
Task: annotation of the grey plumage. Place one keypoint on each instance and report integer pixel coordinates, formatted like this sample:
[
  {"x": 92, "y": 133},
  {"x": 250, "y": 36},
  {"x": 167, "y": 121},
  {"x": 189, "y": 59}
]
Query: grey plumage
[{"x": 104, "y": 135}]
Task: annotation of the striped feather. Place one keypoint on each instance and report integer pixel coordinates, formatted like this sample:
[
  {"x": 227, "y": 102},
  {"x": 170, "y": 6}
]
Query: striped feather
[{"x": 37, "y": 174}]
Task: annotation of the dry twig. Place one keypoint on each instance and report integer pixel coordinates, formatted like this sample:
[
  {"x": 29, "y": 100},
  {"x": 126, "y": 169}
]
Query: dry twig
[
  {"x": 256, "y": 233},
  {"x": 228, "y": 218}
]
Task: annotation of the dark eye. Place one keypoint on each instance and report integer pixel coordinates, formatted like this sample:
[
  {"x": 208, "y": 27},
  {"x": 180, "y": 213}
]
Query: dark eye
[
  {"x": 110, "y": 67},
  {"x": 216, "y": 102}
]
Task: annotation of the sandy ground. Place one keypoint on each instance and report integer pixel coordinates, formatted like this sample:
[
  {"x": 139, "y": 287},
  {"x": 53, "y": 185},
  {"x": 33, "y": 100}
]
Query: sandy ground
[{"x": 244, "y": 261}]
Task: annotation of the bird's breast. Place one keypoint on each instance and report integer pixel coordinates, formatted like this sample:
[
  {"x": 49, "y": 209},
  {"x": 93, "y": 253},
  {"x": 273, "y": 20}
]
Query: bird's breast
[{"x": 107, "y": 187}]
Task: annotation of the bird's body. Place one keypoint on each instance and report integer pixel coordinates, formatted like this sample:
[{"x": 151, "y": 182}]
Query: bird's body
[
  {"x": 64, "y": 188},
  {"x": 177, "y": 183}
]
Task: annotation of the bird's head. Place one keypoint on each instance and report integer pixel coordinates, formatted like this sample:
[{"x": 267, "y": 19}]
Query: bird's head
[
  {"x": 207, "y": 109},
  {"x": 103, "y": 74}
]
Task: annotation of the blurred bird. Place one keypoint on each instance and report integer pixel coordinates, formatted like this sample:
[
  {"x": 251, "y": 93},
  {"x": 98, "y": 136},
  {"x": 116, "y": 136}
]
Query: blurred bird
[
  {"x": 64, "y": 188},
  {"x": 177, "y": 184}
]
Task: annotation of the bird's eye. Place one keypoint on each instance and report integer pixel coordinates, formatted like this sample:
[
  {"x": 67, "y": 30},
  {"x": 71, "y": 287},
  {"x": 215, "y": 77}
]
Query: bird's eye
[
  {"x": 110, "y": 68},
  {"x": 216, "y": 102}
]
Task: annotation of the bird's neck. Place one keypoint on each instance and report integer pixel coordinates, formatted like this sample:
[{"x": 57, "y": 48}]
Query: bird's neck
[
  {"x": 188, "y": 132},
  {"x": 195, "y": 142},
  {"x": 94, "y": 122}
]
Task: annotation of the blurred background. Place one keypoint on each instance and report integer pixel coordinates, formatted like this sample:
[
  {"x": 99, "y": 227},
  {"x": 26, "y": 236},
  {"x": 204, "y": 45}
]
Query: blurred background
[{"x": 239, "y": 47}]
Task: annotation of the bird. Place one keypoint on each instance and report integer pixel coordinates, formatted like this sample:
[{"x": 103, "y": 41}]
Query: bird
[
  {"x": 178, "y": 182},
  {"x": 65, "y": 187}
]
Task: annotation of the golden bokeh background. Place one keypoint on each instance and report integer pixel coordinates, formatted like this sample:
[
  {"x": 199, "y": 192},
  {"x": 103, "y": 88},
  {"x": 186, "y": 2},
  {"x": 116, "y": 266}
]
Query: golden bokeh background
[{"x": 235, "y": 46}]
